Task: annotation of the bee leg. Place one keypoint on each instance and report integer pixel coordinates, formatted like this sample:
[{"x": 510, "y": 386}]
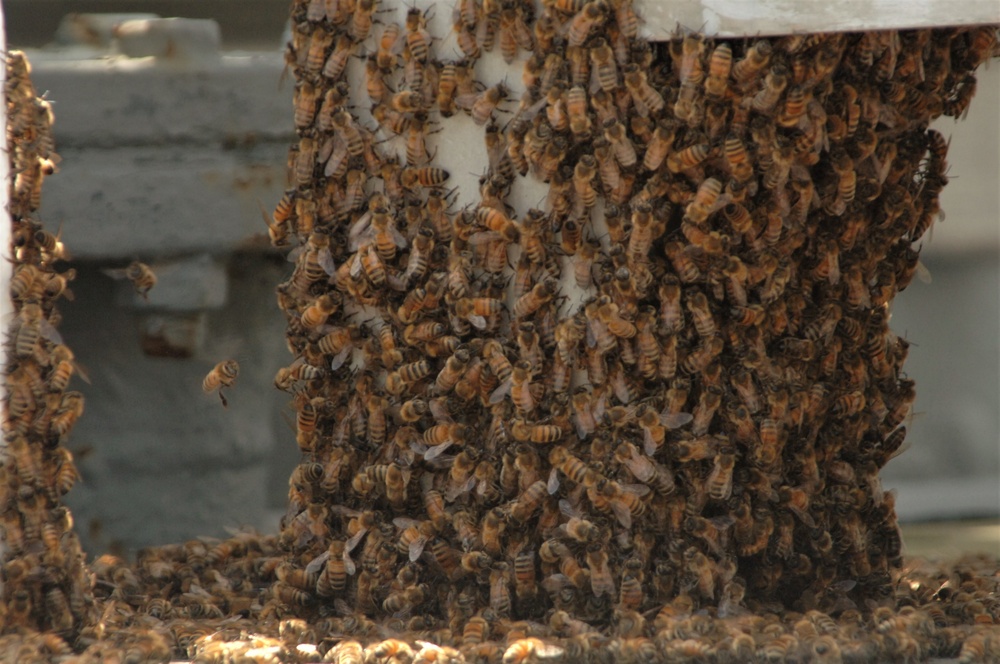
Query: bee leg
[{"x": 225, "y": 402}]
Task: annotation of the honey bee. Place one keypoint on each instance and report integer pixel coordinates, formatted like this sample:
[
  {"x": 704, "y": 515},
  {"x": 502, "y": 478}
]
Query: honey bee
[
  {"x": 644, "y": 469},
  {"x": 222, "y": 375},
  {"x": 647, "y": 100},
  {"x": 141, "y": 275},
  {"x": 531, "y": 649},
  {"x": 346, "y": 652},
  {"x": 601, "y": 581},
  {"x": 720, "y": 480},
  {"x": 621, "y": 144},
  {"x": 690, "y": 157},
  {"x": 775, "y": 83},
  {"x": 482, "y": 105},
  {"x": 426, "y": 176},
  {"x": 529, "y": 501},
  {"x": 534, "y": 299}
]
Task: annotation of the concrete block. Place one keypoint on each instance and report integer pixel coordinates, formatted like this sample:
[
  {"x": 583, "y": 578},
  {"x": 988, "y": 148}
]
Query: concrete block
[
  {"x": 191, "y": 41},
  {"x": 174, "y": 335},
  {"x": 166, "y": 461},
  {"x": 189, "y": 283},
  {"x": 93, "y": 30},
  {"x": 117, "y": 101},
  {"x": 139, "y": 202}
]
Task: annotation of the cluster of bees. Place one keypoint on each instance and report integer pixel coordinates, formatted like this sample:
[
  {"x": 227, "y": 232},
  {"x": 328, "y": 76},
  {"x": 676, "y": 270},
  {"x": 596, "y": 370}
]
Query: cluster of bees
[
  {"x": 681, "y": 463},
  {"x": 707, "y": 420},
  {"x": 45, "y": 582}
]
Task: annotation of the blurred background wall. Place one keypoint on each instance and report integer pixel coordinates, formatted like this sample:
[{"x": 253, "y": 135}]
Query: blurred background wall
[{"x": 167, "y": 160}]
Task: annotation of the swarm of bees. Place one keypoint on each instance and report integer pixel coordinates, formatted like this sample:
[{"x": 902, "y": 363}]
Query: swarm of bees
[
  {"x": 706, "y": 421},
  {"x": 45, "y": 583},
  {"x": 681, "y": 464}
]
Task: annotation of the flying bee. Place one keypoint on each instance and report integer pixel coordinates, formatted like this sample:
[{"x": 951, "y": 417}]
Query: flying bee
[
  {"x": 141, "y": 275},
  {"x": 222, "y": 375}
]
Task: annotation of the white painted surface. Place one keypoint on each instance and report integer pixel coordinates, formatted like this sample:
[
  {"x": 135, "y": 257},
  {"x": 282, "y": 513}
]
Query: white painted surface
[{"x": 732, "y": 18}]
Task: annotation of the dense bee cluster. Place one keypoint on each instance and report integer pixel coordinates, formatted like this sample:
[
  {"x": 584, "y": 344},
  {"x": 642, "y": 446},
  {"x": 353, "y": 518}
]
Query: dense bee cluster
[
  {"x": 708, "y": 422},
  {"x": 681, "y": 464},
  {"x": 46, "y": 585}
]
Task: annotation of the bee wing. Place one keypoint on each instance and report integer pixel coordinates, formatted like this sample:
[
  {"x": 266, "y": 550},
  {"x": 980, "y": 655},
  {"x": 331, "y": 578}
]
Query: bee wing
[
  {"x": 643, "y": 469},
  {"x": 454, "y": 492},
  {"x": 341, "y": 357},
  {"x": 316, "y": 564},
  {"x": 437, "y": 450},
  {"x": 567, "y": 507},
  {"x": 599, "y": 406},
  {"x": 325, "y": 260},
  {"x": 546, "y": 650},
  {"x": 623, "y": 513},
  {"x": 637, "y": 489},
  {"x": 439, "y": 410},
  {"x": 344, "y": 510},
  {"x": 361, "y": 228},
  {"x": 722, "y": 522},
  {"x": 349, "y": 565},
  {"x": 804, "y": 516},
  {"x": 479, "y": 322},
  {"x": 416, "y": 548},
  {"x": 352, "y": 543},
  {"x": 483, "y": 237},
  {"x": 119, "y": 273},
  {"x": 923, "y": 274},
  {"x": 497, "y": 395},
  {"x": 398, "y": 238},
  {"x": 467, "y": 100},
  {"x": 442, "y": 462},
  {"x": 403, "y": 522},
  {"x": 675, "y": 420},
  {"x": 844, "y": 586},
  {"x": 553, "y": 484},
  {"x": 325, "y": 150},
  {"x": 48, "y": 331},
  {"x": 648, "y": 444},
  {"x": 555, "y": 582},
  {"x": 356, "y": 266}
]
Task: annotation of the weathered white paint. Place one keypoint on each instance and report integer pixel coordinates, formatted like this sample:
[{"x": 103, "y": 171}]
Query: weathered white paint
[{"x": 742, "y": 18}]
